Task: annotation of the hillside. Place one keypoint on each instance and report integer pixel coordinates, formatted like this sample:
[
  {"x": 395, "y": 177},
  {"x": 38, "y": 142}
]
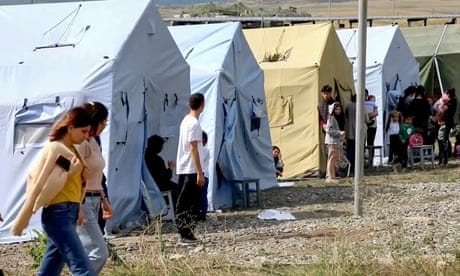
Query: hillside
[{"x": 339, "y": 8}]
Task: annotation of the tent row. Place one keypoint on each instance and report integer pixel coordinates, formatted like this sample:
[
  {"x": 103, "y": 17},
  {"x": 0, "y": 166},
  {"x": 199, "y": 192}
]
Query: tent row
[
  {"x": 261, "y": 88},
  {"x": 57, "y": 56}
]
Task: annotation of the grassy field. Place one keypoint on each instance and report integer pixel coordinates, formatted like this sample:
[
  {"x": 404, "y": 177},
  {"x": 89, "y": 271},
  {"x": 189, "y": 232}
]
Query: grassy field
[{"x": 320, "y": 8}]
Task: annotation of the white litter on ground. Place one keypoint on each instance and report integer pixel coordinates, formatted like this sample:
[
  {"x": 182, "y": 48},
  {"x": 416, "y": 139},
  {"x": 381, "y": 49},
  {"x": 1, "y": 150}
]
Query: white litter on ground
[
  {"x": 275, "y": 215},
  {"x": 286, "y": 184}
]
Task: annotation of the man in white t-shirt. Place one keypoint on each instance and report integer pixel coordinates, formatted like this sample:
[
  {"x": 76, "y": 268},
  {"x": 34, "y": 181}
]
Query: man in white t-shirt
[{"x": 189, "y": 170}]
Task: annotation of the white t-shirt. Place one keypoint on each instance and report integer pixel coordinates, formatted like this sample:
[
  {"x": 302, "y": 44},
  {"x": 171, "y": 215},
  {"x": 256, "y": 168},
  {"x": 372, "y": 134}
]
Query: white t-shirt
[
  {"x": 190, "y": 131},
  {"x": 204, "y": 159}
]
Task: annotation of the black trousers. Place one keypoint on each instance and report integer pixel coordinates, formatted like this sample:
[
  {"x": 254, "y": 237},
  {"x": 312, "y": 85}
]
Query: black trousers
[
  {"x": 188, "y": 204},
  {"x": 395, "y": 149},
  {"x": 403, "y": 154},
  {"x": 443, "y": 151},
  {"x": 371, "y": 131}
]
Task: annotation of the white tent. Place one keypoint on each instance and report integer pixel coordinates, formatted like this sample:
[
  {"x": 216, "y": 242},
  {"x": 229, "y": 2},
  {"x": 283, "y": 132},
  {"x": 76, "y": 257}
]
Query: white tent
[
  {"x": 390, "y": 68},
  {"x": 223, "y": 68},
  {"x": 56, "y": 56}
]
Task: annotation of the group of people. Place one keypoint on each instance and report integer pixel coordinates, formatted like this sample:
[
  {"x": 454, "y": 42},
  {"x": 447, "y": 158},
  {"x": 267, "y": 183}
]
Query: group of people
[
  {"x": 419, "y": 121},
  {"x": 415, "y": 121},
  {"x": 69, "y": 184}
]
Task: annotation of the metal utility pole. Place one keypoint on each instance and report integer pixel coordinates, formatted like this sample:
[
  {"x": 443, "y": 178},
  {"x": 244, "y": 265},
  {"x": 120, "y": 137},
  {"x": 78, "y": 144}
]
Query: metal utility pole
[{"x": 361, "y": 66}]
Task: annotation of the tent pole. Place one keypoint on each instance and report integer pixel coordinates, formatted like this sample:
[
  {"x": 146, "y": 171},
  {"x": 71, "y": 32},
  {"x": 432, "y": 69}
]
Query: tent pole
[
  {"x": 435, "y": 56},
  {"x": 359, "y": 148}
]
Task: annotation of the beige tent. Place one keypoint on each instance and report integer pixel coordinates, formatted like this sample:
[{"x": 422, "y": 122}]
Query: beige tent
[{"x": 297, "y": 61}]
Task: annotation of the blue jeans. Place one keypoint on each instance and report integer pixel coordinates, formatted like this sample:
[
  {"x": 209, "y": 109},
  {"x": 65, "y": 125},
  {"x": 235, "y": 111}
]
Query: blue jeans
[
  {"x": 91, "y": 235},
  {"x": 64, "y": 246}
]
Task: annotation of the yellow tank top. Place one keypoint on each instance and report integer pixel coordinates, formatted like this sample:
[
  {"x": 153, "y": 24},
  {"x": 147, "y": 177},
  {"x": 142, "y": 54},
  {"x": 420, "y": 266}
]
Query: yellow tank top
[{"x": 72, "y": 188}]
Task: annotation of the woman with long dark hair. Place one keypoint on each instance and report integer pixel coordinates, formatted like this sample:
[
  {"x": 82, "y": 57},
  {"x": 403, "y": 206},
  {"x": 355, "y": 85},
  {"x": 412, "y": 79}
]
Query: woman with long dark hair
[
  {"x": 333, "y": 140},
  {"x": 89, "y": 231},
  {"x": 57, "y": 184}
]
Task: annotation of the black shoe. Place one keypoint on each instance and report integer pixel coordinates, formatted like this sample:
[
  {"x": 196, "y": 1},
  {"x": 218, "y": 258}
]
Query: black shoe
[{"x": 188, "y": 239}]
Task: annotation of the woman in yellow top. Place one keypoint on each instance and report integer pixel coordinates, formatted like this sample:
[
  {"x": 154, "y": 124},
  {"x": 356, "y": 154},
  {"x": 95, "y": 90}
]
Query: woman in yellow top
[
  {"x": 95, "y": 198},
  {"x": 59, "y": 217}
]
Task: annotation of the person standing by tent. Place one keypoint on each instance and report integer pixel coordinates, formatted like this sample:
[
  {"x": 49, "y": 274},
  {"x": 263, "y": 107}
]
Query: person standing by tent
[
  {"x": 189, "y": 170},
  {"x": 420, "y": 109},
  {"x": 371, "y": 119},
  {"x": 323, "y": 108},
  {"x": 333, "y": 140},
  {"x": 449, "y": 114},
  {"x": 57, "y": 182},
  {"x": 95, "y": 196}
]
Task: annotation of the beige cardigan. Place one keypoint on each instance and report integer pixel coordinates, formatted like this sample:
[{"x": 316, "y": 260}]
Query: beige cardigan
[{"x": 45, "y": 181}]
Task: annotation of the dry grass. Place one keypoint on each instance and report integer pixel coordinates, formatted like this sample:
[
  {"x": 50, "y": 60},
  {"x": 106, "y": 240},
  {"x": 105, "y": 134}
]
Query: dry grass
[
  {"x": 340, "y": 252},
  {"x": 334, "y": 251}
]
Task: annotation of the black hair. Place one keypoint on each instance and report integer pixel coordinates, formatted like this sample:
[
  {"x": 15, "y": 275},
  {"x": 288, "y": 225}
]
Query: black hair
[
  {"x": 451, "y": 93},
  {"x": 326, "y": 88},
  {"x": 98, "y": 113},
  {"x": 195, "y": 101},
  {"x": 204, "y": 137},
  {"x": 154, "y": 145}
]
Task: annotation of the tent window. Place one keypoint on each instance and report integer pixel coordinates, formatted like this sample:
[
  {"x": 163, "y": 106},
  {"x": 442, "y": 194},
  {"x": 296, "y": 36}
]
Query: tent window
[
  {"x": 33, "y": 123},
  {"x": 31, "y": 135},
  {"x": 281, "y": 111}
]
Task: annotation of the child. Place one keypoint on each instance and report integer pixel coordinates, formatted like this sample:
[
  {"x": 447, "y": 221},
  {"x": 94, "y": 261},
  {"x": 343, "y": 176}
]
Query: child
[
  {"x": 393, "y": 134},
  {"x": 443, "y": 142},
  {"x": 204, "y": 160},
  {"x": 405, "y": 131},
  {"x": 416, "y": 139}
]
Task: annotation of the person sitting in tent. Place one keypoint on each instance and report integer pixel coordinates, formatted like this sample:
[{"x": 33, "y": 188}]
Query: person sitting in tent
[
  {"x": 157, "y": 168},
  {"x": 279, "y": 164}
]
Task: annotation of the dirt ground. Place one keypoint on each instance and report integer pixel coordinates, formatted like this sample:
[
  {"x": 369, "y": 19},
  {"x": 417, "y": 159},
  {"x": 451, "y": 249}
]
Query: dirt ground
[{"x": 415, "y": 214}]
